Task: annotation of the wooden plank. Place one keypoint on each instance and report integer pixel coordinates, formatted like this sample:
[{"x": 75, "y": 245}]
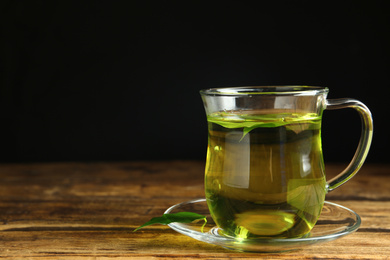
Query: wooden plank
[{"x": 88, "y": 211}]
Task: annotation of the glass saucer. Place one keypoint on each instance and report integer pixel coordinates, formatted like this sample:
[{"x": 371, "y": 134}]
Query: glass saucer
[{"x": 335, "y": 221}]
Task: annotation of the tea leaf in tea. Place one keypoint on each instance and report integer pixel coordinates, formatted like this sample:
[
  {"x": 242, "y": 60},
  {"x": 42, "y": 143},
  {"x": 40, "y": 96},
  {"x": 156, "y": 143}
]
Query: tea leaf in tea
[
  {"x": 248, "y": 122},
  {"x": 181, "y": 217}
]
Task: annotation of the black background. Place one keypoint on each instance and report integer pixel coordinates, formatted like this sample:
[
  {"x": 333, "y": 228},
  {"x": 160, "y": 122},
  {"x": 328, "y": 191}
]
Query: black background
[{"x": 120, "y": 80}]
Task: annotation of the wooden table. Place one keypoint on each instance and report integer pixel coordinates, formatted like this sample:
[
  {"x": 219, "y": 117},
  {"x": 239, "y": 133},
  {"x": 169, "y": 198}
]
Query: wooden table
[{"x": 88, "y": 211}]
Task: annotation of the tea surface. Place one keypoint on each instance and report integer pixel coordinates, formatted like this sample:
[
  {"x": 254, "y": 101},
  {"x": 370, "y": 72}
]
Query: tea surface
[{"x": 264, "y": 173}]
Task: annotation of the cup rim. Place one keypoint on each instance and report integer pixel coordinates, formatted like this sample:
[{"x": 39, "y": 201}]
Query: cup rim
[{"x": 265, "y": 90}]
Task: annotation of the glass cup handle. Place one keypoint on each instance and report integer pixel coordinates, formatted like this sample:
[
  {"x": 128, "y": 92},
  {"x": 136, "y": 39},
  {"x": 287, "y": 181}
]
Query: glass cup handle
[{"x": 364, "y": 142}]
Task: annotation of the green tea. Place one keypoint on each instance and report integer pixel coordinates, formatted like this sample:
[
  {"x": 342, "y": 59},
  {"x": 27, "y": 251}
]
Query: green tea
[{"x": 265, "y": 173}]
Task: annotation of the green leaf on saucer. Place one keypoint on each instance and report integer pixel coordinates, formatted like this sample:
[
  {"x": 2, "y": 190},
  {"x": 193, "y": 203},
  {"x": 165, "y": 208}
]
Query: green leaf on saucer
[{"x": 181, "y": 217}]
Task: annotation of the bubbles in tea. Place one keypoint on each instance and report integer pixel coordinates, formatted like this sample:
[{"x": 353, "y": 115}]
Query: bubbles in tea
[{"x": 264, "y": 173}]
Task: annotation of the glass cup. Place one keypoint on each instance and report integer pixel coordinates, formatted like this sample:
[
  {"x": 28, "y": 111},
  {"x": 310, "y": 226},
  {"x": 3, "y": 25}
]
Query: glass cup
[{"x": 265, "y": 174}]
